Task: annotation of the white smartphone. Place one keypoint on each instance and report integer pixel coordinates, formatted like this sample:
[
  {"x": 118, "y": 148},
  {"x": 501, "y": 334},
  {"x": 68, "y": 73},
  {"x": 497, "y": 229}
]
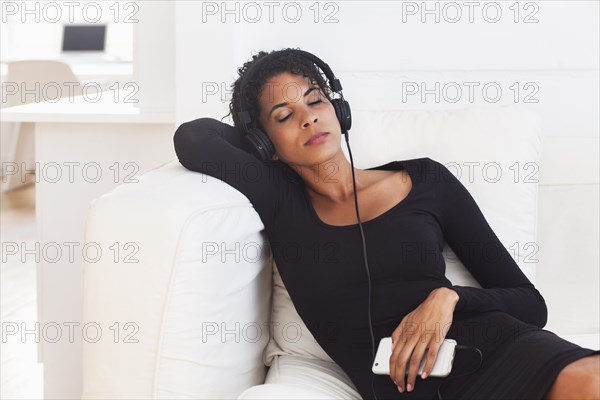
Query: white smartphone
[{"x": 441, "y": 367}]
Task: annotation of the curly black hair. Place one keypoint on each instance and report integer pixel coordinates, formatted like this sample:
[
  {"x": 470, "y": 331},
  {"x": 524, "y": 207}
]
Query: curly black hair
[{"x": 280, "y": 61}]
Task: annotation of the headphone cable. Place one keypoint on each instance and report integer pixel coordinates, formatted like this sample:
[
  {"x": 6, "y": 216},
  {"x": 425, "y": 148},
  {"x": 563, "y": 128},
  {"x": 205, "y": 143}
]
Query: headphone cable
[
  {"x": 364, "y": 246},
  {"x": 458, "y": 347}
]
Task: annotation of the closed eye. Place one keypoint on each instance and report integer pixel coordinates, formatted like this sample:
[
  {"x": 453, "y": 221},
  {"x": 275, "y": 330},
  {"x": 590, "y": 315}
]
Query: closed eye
[{"x": 288, "y": 116}]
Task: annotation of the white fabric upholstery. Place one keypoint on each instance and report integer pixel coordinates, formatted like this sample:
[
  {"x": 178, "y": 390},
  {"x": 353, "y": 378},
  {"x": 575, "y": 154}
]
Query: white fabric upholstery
[
  {"x": 289, "y": 335},
  {"x": 489, "y": 139},
  {"x": 293, "y": 377},
  {"x": 200, "y": 315},
  {"x": 203, "y": 305}
]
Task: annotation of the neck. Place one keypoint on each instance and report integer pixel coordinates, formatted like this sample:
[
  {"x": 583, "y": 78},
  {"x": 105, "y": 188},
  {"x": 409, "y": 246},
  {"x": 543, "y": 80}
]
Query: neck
[{"x": 331, "y": 180}]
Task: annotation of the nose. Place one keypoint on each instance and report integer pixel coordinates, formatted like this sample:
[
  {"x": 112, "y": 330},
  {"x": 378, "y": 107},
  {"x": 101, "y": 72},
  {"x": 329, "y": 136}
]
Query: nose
[{"x": 310, "y": 117}]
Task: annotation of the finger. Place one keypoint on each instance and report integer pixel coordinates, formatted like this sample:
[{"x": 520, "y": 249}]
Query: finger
[
  {"x": 393, "y": 359},
  {"x": 396, "y": 335},
  {"x": 414, "y": 364},
  {"x": 431, "y": 357},
  {"x": 397, "y": 345},
  {"x": 395, "y": 352},
  {"x": 399, "y": 363}
]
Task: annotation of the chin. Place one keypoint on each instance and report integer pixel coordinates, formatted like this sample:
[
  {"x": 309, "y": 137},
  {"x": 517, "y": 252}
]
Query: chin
[{"x": 326, "y": 154}]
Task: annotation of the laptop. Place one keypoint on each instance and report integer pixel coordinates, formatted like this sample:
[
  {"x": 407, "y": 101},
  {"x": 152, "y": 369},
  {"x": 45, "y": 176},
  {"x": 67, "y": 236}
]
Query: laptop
[
  {"x": 84, "y": 42},
  {"x": 84, "y": 38}
]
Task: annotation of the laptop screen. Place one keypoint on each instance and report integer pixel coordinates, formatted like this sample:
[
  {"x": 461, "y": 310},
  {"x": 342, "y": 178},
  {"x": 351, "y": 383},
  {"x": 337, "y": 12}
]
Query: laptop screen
[{"x": 84, "y": 37}]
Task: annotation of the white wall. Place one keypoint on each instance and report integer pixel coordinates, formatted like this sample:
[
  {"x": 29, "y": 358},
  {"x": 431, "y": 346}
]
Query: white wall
[
  {"x": 154, "y": 56},
  {"x": 381, "y": 50},
  {"x": 203, "y": 59}
]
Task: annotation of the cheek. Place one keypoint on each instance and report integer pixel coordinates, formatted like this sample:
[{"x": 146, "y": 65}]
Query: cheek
[
  {"x": 275, "y": 136},
  {"x": 331, "y": 111}
]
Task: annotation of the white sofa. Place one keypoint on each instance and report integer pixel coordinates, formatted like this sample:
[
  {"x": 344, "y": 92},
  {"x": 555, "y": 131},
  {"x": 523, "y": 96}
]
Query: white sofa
[{"x": 204, "y": 301}]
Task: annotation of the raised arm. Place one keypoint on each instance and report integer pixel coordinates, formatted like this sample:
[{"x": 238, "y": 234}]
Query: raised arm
[
  {"x": 217, "y": 149},
  {"x": 504, "y": 286}
]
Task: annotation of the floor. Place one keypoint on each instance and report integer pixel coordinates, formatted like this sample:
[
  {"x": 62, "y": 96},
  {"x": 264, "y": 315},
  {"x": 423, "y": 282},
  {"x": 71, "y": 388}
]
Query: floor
[{"x": 21, "y": 377}]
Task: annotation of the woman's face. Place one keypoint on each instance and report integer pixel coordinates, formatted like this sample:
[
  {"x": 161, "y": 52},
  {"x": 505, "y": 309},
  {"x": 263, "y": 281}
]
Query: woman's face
[{"x": 291, "y": 111}]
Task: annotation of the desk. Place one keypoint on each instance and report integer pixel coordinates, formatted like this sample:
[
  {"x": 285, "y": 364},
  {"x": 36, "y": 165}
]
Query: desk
[
  {"x": 82, "y": 150},
  {"x": 104, "y": 73}
]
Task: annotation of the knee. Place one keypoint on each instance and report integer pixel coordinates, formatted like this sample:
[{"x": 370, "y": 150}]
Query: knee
[
  {"x": 592, "y": 377},
  {"x": 589, "y": 381},
  {"x": 580, "y": 379}
]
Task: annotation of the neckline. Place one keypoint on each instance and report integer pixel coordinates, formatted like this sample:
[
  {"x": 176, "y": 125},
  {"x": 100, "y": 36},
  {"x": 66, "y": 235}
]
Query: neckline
[{"x": 402, "y": 165}]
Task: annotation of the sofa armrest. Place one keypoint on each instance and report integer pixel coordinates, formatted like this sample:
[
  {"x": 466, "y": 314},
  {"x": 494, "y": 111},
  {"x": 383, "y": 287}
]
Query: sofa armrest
[{"x": 189, "y": 283}]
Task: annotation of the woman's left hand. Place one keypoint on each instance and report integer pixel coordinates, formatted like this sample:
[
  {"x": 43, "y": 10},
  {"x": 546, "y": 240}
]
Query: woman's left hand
[{"x": 425, "y": 327}]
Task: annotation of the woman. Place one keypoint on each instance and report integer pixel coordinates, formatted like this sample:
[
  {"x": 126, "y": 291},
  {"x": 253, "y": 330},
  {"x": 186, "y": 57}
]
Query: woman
[{"x": 408, "y": 208}]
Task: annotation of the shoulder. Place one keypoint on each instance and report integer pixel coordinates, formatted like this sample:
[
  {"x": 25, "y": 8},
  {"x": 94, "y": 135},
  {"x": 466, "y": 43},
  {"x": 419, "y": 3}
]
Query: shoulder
[
  {"x": 429, "y": 170},
  {"x": 427, "y": 162},
  {"x": 422, "y": 162}
]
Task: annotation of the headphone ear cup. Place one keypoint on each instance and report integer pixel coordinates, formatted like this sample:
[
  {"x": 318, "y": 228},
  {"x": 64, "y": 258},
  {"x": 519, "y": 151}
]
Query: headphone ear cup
[
  {"x": 261, "y": 145},
  {"x": 344, "y": 116}
]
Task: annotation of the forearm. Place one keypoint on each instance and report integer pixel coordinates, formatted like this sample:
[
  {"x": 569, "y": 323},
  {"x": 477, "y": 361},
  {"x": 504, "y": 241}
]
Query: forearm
[
  {"x": 524, "y": 303},
  {"x": 504, "y": 286},
  {"x": 217, "y": 149},
  {"x": 202, "y": 142}
]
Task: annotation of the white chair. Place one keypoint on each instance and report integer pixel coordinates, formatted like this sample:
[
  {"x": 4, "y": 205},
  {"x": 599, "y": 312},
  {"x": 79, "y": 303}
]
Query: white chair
[
  {"x": 30, "y": 81},
  {"x": 201, "y": 316}
]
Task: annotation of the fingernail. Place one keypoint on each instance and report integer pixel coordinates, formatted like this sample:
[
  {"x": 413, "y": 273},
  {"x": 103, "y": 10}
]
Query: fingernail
[
  {"x": 424, "y": 375},
  {"x": 409, "y": 387},
  {"x": 400, "y": 389}
]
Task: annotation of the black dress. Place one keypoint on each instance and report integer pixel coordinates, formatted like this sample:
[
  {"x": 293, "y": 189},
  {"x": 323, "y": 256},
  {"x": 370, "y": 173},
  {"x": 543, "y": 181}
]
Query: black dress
[{"x": 323, "y": 269}]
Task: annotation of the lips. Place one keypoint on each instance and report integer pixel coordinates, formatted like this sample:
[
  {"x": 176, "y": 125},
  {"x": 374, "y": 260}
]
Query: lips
[{"x": 314, "y": 138}]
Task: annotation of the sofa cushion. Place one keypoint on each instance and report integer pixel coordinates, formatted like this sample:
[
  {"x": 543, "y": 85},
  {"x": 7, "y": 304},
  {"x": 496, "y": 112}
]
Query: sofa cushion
[
  {"x": 493, "y": 150},
  {"x": 289, "y": 334},
  {"x": 292, "y": 377}
]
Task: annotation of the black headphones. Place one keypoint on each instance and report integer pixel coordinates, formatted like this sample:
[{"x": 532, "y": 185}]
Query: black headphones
[{"x": 260, "y": 144}]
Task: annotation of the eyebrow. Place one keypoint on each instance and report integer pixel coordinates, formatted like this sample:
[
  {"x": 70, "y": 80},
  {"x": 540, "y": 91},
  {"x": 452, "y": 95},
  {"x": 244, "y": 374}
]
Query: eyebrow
[{"x": 276, "y": 106}]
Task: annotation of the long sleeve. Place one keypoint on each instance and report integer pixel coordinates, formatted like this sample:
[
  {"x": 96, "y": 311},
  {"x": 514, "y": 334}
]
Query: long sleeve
[
  {"x": 504, "y": 286},
  {"x": 217, "y": 149}
]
